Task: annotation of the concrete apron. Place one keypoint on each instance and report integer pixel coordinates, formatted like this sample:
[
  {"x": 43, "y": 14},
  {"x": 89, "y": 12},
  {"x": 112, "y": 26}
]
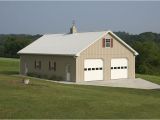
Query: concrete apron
[{"x": 137, "y": 83}]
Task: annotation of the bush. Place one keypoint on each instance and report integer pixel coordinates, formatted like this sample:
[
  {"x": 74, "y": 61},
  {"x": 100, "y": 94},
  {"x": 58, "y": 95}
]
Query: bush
[
  {"x": 53, "y": 77},
  {"x": 33, "y": 75},
  {"x": 56, "y": 78}
]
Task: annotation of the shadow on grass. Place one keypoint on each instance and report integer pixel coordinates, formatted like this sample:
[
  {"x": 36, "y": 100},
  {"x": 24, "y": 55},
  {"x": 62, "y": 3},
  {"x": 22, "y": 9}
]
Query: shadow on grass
[
  {"x": 38, "y": 85},
  {"x": 9, "y": 72},
  {"x": 19, "y": 81}
]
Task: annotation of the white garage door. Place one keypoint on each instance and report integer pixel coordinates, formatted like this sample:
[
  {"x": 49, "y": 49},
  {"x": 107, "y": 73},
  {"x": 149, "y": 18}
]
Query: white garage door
[
  {"x": 93, "y": 69},
  {"x": 119, "y": 68}
]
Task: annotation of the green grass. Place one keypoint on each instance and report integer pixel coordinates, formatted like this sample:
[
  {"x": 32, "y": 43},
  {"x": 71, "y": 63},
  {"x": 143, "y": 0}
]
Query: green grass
[
  {"x": 9, "y": 66},
  {"x": 152, "y": 78},
  {"x": 42, "y": 99}
]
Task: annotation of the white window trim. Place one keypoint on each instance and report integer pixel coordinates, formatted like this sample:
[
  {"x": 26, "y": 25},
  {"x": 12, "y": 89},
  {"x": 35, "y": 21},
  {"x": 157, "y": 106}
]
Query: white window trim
[{"x": 108, "y": 42}]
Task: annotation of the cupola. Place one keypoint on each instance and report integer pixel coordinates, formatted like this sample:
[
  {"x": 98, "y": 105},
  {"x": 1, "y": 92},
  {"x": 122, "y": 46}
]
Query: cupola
[{"x": 73, "y": 29}]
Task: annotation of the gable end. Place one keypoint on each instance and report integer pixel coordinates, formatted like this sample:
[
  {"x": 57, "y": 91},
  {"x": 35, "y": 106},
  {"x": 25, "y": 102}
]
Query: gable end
[{"x": 112, "y": 44}]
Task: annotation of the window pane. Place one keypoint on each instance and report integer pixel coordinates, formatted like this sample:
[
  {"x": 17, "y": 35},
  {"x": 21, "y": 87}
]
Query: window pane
[
  {"x": 108, "y": 42},
  {"x": 54, "y": 66},
  {"x": 89, "y": 68},
  {"x": 85, "y": 69}
]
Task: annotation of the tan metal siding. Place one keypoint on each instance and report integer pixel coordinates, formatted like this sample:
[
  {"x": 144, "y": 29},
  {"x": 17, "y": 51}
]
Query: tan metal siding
[
  {"x": 106, "y": 54},
  {"x": 61, "y": 62}
]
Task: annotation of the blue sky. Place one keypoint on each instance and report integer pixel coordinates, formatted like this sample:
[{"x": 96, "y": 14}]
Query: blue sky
[{"x": 56, "y": 17}]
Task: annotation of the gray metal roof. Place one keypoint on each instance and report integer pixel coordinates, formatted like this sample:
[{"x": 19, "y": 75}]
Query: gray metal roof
[{"x": 65, "y": 44}]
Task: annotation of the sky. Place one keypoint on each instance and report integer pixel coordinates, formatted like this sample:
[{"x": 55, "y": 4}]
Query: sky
[{"x": 56, "y": 17}]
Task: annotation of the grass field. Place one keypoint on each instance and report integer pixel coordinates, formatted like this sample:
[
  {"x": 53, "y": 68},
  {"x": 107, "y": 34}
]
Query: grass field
[
  {"x": 9, "y": 66},
  {"x": 42, "y": 99},
  {"x": 152, "y": 78}
]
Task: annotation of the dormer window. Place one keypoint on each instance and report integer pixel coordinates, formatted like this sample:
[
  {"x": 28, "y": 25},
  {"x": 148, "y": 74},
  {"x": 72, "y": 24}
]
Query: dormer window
[{"x": 108, "y": 43}]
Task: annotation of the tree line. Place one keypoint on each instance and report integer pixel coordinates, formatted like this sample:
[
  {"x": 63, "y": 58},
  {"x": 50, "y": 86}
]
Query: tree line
[
  {"x": 11, "y": 44},
  {"x": 147, "y": 44}
]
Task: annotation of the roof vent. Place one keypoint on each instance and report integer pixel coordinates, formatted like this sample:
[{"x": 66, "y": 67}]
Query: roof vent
[{"x": 73, "y": 29}]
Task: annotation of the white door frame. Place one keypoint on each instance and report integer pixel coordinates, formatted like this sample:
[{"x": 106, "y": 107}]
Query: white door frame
[
  {"x": 68, "y": 72},
  {"x": 25, "y": 69}
]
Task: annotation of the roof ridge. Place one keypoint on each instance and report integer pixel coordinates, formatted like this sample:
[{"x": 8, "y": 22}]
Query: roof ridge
[
  {"x": 67, "y": 43},
  {"x": 74, "y": 33}
]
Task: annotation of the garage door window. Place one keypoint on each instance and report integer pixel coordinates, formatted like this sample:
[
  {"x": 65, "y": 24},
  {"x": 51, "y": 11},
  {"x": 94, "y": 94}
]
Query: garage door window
[
  {"x": 90, "y": 69},
  {"x": 120, "y": 67},
  {"x": 85, "y": 69}
]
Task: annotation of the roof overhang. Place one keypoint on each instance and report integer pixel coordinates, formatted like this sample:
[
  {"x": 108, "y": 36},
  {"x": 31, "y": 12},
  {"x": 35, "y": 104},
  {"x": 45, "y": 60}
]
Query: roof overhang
[
  {"x": 46, "y": 54},
  {"x": 125, "y": 44},
  {"x": 78, "y": 54}
]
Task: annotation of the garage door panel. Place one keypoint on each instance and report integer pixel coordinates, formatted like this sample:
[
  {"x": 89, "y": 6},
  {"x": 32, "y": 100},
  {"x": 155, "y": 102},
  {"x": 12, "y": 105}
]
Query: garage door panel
[
  {"x": 119, "y": 68},
  {"x": 119, "y": 62},
  {"x": 117, "y": 74},
  {"x": 94, "y": 75},
  {"x": 93, "y": 69},
  {"x": 93, "y": 63}
]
